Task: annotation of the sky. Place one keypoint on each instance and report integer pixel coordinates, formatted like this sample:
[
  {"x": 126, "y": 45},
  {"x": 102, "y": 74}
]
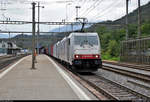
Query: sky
[{"x": 56, "y": 10}]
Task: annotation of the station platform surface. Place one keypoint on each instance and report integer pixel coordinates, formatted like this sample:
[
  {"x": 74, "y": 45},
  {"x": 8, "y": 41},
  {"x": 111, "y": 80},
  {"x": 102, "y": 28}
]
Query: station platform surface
[{"x": 47, "y": 82}]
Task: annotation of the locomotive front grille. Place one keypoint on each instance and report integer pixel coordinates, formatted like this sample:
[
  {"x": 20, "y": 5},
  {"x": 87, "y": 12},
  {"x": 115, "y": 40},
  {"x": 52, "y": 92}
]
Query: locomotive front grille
[{"x": 87, "y": 63}]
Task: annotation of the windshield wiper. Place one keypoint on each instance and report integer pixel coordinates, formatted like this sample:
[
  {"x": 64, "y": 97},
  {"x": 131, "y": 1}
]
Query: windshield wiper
[
  {"x": 90, "y": 44},
  {"x": 84, "y": 42}
]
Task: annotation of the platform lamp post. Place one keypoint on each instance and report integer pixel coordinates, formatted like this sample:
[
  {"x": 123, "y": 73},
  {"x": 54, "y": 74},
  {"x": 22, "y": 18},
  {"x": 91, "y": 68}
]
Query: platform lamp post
[
  {"x": 67, "y": 13},
  {"x": 67, "y": 10},
  {"x": 33, "y": 35},
  {"x": 38, "y": 32}
]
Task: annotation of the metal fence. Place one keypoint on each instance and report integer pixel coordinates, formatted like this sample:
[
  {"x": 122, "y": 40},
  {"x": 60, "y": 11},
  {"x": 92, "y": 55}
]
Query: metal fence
[{"x": 136, "y": 51}]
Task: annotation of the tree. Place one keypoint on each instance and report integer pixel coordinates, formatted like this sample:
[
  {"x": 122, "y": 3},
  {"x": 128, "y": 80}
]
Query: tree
[
  {"x": 113, "y": 48},
  {"x": 145, "y": 28},
  {"x": 132, "y": 30}
]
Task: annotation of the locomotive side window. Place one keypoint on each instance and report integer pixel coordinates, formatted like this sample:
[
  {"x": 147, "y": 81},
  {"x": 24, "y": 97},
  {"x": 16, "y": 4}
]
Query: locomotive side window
[{"x": 81, "y": 40}]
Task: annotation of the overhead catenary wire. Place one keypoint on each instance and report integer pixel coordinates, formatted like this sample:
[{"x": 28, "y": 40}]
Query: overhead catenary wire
[
  {"x": 107, "y": 9},
  {"x": 94, "y": 7},
  {"x": 83, "y": 5},
  {"x": 77, "y": 3},
  {"x": 86, "y": 10}
]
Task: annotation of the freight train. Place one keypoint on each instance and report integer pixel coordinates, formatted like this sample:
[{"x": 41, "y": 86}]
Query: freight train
[{"x": 80, "y": 51}]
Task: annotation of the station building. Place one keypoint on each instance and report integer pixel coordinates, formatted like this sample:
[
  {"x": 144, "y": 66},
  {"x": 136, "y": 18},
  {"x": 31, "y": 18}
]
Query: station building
[{"x": 9, "y": 48}]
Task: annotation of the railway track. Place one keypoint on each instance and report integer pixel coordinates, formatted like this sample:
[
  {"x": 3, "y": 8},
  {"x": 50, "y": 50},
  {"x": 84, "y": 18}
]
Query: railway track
[
  {"x": 111, "y": 89},
  {"x": 133, "y": 66},
  {"x": 5, "y": 56},
  {"x": 8, "y": 59},
  {"x": 133, "y": 74}
]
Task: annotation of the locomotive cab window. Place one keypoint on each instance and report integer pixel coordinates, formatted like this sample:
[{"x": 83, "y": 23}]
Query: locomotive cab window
[{"x": 90, "y": 40}]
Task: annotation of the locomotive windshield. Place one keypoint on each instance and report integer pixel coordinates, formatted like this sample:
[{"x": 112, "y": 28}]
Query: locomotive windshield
[{"x": 81, "y": 40}]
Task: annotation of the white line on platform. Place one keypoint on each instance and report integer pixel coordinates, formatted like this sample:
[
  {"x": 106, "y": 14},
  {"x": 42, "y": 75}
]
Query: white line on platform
[
  {"x": 10, "y": 68},
  {"x": 79, "y": 92}
]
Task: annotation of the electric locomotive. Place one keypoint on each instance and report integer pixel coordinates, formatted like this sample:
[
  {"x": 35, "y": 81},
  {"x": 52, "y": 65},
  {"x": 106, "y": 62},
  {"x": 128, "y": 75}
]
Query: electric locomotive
[{"x": 81, "y": 51}]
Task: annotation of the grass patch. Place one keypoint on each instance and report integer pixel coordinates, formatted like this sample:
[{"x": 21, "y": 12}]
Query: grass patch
[{"x": 110, "y": 58}]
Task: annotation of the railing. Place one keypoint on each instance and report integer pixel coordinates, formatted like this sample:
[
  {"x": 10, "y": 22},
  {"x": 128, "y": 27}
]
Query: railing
[{"x": 136, "y": 51}]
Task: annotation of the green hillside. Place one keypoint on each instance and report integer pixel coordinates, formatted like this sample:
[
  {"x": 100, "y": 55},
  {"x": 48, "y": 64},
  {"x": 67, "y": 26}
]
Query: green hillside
[{"x": 25, "y": 41}]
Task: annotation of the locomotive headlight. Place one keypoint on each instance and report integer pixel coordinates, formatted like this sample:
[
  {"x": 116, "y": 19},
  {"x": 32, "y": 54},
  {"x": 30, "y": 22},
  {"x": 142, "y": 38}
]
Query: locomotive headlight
[
  {"x": 77, "y": 56},
  {"x": 96, "y": 56}
]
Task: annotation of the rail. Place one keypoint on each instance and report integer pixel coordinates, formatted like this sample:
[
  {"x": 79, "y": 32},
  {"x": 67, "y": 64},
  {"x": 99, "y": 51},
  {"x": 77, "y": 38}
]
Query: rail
[
  {"x": 139, "y": 76},
  {"x": 112, "y": 89},
  {"x": 133, "y": 66},
  {"x": 108, "y": 88}
]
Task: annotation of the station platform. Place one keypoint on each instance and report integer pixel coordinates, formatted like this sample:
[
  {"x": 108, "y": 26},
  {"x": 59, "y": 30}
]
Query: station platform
[{"x": 47, "y": 82}]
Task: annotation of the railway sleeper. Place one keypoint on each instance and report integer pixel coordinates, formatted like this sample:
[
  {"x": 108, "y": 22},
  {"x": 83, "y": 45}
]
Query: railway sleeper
[
  {"x": 130, "y": 97},
  {"x": 123, "y": 94},
  {"x": 109, "y": 87},
  {"x": 116, "y": 91}
]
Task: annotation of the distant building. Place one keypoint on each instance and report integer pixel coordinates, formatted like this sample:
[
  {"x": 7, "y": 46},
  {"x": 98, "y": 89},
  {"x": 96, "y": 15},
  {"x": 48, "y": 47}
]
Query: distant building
[
  {"x": 9, "y": 48},
  {"x": 3, "y": 47}
]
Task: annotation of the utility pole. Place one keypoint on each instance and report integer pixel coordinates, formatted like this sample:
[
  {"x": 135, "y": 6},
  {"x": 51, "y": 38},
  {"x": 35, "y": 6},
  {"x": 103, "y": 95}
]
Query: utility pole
[
  {"x": 139, "y": 19},
  {"x": 67, "y": 14},
  {"x": 127, "y": 25},
  {"x": 38, "y": 32},
  {"x": 33, "y": 35},
  {"x": 9, "y": 42},
  {"x": 139, "y": 30},
  {"x": 77, "y": 7}
]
